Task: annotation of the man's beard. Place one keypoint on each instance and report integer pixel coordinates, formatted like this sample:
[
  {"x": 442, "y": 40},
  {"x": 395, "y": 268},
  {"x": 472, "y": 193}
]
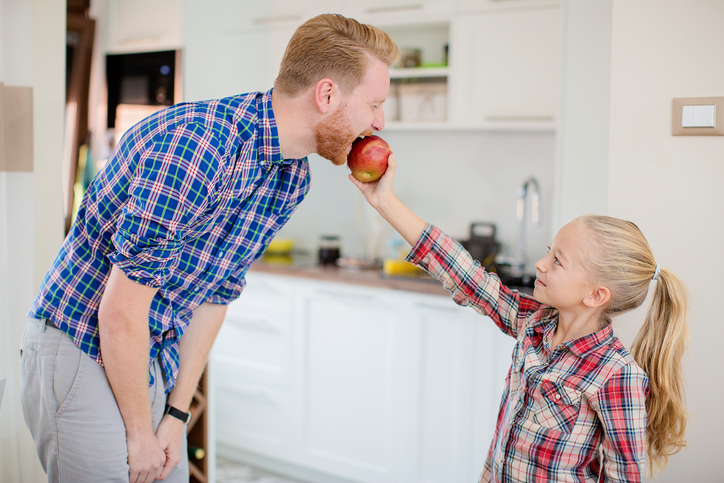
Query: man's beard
[{"x": 334, "y": 136}]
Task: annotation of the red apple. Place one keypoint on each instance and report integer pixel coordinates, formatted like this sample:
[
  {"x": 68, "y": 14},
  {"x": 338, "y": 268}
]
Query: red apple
[{"x": 368, "y": 158}]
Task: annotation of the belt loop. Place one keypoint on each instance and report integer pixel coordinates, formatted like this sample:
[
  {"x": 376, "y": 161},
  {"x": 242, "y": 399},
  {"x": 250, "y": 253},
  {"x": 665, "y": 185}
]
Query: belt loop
[{"x": 42, "y": 325}]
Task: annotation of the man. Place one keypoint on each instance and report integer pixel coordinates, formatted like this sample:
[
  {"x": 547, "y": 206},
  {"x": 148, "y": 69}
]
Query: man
[{"x": 190, "y": 198}]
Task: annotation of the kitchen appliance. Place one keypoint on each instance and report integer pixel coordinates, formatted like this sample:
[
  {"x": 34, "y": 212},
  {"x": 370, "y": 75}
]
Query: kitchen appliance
[
  {"x": 140, "y": 84},
  {"x": 482, "y": 244}
]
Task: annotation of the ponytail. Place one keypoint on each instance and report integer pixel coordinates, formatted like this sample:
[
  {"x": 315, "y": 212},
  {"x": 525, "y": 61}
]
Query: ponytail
[
  {"x": 621, "y": 259},
  {"x": 658, "y": 348}
]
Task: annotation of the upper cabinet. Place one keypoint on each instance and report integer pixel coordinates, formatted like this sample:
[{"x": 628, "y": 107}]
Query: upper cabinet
[
  {"x": 226, "y": 17},
  {"x": 507, "y": 68},
  {"x": 470, "y": 64},
  {"x": 466, "y": 6},
  {"x": 143, "y": 25}
]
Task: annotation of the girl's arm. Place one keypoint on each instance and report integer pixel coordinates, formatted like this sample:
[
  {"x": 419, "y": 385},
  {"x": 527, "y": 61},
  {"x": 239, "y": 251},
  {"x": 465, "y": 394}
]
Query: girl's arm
[
  {"x": 447, "y": 261},
  {"x": 379, "y": 194},
  {"x": 620, "y": 404}
]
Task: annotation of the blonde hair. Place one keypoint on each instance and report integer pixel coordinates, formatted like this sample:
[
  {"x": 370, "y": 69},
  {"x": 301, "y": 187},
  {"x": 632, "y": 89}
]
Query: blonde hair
[
  {"x": 334, "y": 46},
  {"x": 624, "y": 262}
]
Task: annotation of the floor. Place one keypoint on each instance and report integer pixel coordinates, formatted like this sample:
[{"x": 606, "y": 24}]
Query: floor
[{"x": 231, "y": 472}]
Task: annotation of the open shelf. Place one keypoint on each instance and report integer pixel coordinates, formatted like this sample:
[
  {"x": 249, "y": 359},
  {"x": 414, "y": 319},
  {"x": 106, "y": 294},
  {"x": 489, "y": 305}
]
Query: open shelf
[{"x": 197, "y": 433}]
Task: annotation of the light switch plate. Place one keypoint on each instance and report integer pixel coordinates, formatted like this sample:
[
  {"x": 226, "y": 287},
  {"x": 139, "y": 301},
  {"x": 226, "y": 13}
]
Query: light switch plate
[{"x": 678, "y": 109}]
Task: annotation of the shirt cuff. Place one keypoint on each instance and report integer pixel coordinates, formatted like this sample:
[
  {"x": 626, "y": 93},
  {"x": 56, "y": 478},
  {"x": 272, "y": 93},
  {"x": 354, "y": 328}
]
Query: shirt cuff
[
  {"x": 148, "y": 266},
  {"x": 424, "y": 245}
]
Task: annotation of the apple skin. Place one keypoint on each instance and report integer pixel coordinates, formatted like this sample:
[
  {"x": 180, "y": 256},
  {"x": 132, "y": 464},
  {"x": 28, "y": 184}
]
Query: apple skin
[{"x": 368, "y": 158}]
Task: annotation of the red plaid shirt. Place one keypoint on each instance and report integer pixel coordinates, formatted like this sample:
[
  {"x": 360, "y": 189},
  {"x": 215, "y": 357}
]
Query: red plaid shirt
[{"x": 575, "y": 412}]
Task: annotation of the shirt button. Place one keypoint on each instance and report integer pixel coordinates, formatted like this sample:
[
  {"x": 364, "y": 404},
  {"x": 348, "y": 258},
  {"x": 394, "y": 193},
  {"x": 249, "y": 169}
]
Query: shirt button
[{"x": 558, "y": 396}]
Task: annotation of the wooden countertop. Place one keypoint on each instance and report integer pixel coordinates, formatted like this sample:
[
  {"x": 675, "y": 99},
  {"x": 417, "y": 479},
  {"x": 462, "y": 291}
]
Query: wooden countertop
[{"x": 365, "y": 277}]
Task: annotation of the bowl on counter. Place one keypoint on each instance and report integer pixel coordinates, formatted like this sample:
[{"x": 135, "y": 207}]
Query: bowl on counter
[{"x": 279, "y": 246}]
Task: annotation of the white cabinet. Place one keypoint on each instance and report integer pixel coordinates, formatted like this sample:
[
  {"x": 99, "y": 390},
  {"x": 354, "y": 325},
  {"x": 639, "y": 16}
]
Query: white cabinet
[
  {"x": 234, "y": 62},
  {"x": 464, "y": 6},
  {"x": 221, "y": 17},
  {"x": 252, "y": 369},
  {"x": 379, "y": 385},
  {"x": 349, "y": 392},
  {"x": 486, "y": 64},
  {"x": 143, "y": 25},
  {"x": 507, "y": 68}
]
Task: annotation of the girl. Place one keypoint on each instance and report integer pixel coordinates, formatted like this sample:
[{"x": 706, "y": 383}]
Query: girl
[{"x": 577, "y": 405}]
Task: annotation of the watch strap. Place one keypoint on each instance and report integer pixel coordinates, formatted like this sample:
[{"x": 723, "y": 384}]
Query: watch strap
[{"x": 176, "y": 413}]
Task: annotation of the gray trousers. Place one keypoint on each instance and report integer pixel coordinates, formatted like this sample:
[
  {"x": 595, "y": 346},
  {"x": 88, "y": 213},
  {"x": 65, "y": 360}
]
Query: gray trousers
[{"x": 72, "y": 414}]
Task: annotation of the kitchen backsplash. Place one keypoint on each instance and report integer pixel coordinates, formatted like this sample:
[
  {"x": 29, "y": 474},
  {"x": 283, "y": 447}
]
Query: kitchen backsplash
[{"x": 449, "y": 178}]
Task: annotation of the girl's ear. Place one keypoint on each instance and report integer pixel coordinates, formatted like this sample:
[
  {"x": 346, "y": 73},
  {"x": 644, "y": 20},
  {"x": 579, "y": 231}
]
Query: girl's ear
[
  {"x": 325, "y": 94},
  {"x": 598, "y": 297}
]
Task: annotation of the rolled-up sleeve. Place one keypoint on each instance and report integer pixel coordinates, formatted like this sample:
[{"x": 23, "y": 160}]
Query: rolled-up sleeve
[
  {"x": 469, "y": 283},
  {"x": 229, "y": 290},
  {"x": 620, "y": 404},
  {"x": 169, "y": 191}
]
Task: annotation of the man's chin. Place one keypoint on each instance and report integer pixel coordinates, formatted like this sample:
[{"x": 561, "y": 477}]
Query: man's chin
[{"x": 336, "y": 159}]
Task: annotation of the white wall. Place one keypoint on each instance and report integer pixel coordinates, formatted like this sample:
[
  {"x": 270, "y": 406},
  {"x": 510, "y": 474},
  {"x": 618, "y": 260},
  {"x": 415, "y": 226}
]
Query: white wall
[
  {"x": 669, "y": 186},
  {"x": 582, "y": 150},
  {"x": 448, "y": 178},
  {"x": 32, "y": 58}
]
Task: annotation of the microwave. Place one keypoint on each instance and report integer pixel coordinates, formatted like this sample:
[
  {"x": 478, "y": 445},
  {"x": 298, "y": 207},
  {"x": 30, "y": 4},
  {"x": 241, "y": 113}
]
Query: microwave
[{"x": 140, "y": 84}]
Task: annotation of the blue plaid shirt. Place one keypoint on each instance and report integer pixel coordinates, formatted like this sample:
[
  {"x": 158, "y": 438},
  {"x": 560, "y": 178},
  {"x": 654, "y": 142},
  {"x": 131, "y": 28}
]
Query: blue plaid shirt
[{"x": 190, "y": 197}]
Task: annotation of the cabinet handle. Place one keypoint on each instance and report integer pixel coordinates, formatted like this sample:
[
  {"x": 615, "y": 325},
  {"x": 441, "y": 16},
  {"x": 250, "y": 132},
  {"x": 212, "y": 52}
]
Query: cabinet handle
[
  {"x": 276, "y": 19},
  {"x": 393, "y": 9},
  {"x": 254, "y": 394},
  {"x": 519, "y": 118},
  {"x": 436, "y": 307},
  {"x": 356, "y": 299},
  {"x": 252, "y": 323},
  {"x": 266, "y": 287},
  {"x": 144, "y": 39}
]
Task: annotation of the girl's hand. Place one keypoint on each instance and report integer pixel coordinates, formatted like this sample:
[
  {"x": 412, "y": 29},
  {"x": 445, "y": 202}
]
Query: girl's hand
[{"x": 377, "y": 192}]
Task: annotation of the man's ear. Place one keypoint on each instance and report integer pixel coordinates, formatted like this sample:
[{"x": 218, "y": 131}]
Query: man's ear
[
  {"x": 325, "y": 94},
  {"x": 598, "y": 297}
]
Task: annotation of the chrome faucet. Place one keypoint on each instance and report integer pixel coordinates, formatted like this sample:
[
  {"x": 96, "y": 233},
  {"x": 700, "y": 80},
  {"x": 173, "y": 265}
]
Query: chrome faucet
[{"x": 529, "y": 185}]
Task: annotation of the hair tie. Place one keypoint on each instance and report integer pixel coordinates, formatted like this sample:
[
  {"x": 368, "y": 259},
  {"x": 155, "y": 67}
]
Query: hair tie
[{"x": 656, "y": 272}]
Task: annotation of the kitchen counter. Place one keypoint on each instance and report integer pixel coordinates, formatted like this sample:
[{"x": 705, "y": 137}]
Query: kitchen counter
[{"x": 366, "y": 277}]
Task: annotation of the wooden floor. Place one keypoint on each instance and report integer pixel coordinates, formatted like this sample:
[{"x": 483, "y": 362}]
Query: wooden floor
[{"x": 231, "y": 472}]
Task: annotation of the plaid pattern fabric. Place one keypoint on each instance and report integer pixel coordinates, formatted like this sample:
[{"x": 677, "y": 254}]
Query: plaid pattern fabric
[
  {"x": 190, "y": 197},
  {"x": 575, "y": 412}
]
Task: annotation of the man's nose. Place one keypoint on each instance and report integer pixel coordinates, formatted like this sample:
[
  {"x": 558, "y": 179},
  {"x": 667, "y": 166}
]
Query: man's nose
[{"x": 378, "y": 124}]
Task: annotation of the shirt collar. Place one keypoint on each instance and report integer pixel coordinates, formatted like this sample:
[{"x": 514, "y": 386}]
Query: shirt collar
[
  {"x": 589, "y": 343},
  {"x": 270, "y": 152}
]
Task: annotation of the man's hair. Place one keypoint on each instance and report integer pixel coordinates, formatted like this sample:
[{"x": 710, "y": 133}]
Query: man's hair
[{"x": 332, "y": 46}]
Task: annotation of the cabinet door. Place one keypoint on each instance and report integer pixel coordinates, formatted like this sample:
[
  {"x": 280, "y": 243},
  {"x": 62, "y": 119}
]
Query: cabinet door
[
  {"x": 350, "y": 383},
  {"x": 225, "y": 16},
  {"x": 143, "y": 25},
  {"x": 445, "y": 377},
  {"x": 254, "y": 417},
  {"x": 234, "y": 63},
  {"x": 465, "y": 6},
  {"x": 507, "y": 67}
]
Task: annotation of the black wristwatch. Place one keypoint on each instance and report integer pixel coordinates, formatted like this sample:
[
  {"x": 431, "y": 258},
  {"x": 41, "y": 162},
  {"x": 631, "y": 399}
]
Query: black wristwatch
[{"x": 176, "y": 413}]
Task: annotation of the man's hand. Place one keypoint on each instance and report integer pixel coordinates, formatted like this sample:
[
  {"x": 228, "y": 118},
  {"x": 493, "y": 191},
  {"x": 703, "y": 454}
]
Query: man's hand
[
  {"x": 170, "y": 434},
  {"x": 145, "y": 457}
]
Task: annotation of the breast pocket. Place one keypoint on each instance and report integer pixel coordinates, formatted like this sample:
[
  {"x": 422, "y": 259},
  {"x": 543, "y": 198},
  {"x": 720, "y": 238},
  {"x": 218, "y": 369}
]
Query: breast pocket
[{"x": 557, "y": 406}]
